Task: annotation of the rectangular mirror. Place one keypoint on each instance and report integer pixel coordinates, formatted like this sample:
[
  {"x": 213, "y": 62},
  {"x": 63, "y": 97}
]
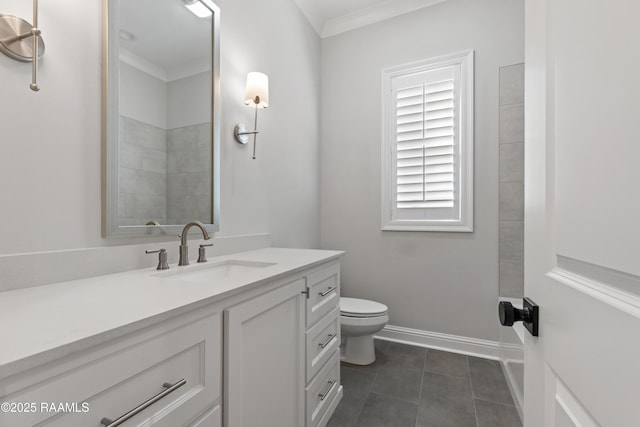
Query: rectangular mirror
[{"x": 160, "y": 116}]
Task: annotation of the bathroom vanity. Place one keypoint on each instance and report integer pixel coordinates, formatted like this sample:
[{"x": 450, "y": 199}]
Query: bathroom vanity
[{"x": 248, "y": 339}]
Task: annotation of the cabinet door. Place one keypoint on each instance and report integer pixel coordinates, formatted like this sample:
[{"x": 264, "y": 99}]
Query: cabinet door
[{"x": 264, "y": 359}]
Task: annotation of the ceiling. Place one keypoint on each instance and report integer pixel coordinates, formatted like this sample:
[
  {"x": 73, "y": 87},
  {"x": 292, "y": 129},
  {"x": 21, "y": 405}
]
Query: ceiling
[{"x": 331, "y": 17}]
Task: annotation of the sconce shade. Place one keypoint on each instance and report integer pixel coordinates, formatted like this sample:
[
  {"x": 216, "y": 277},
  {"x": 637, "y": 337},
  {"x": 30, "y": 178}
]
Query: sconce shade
[{"x": 257, "y": 86}]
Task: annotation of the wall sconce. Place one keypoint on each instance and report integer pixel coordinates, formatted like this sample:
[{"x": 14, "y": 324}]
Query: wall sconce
[
  {"x": 14, "y": 33},
  {"x": 257, "y": 93}
]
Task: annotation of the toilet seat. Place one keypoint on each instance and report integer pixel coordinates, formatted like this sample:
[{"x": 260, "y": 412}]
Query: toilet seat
[{"x": 361, "y": 308}]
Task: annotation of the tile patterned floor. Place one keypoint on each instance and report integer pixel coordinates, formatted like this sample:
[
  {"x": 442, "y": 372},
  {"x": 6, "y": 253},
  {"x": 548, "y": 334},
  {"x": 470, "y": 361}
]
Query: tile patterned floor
[{"x": 411, "y": 386}]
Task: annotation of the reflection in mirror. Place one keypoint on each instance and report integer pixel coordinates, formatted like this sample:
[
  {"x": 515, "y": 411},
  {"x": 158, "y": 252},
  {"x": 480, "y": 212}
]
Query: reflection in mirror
[{"x": 162, "y": 122}]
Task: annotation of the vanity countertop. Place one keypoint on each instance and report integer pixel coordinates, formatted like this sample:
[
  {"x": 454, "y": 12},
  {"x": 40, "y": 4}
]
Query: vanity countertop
[{"x": 44, "y": 323}]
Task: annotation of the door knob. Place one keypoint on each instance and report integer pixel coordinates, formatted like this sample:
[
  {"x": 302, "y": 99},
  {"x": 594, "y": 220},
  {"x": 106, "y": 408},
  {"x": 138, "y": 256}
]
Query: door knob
[{"x": 528, "y": 315}]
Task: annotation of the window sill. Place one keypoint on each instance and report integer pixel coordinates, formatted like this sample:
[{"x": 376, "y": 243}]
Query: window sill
[{"x": 448, "y": 228}]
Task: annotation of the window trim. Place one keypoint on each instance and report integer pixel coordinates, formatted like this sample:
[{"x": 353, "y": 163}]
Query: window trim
[{"x": 464, "y": 222}]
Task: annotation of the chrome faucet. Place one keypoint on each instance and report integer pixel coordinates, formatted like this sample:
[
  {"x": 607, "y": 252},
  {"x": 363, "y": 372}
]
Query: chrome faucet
[{"x": 184, "y": 249}]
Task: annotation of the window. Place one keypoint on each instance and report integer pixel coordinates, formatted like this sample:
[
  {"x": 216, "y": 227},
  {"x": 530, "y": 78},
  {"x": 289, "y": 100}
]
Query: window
[{"x": 427, "y": 149}]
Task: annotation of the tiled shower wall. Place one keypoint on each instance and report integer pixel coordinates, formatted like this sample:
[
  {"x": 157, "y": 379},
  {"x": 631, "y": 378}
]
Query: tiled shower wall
[
  {"x": 164, "y": 175},
  {"x": 142, "y": 173},
  {"x": 511, "y": 191},
  {"x": 189, "y": 174}
]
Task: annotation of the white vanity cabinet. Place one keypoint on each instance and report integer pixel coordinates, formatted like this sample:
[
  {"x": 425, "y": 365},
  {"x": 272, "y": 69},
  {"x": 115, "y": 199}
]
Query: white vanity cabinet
[
  {"x": 177, "y": 362},
  {"x": 263, "y": 354},
  {"x": 282, "y": 365}
]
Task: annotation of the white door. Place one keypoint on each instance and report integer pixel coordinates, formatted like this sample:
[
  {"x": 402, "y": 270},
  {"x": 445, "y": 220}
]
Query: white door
[
  {"x": 582, "y": 214},
  {"x": 264, "y": 360}
]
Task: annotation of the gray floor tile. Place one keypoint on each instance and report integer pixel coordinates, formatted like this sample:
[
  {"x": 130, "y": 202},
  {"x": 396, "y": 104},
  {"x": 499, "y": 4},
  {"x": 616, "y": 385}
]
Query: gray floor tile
[
  {"x": 400, "y": 377},
  {"x": 496, "y": 415},
  {"x": 381, "y": 345},
  {"x": 446, "y": 402},
  {"x": 381, "y": 356},
  {"x": 412, "y": 386},
  {"x": 403, "y": 385},
  {"x": 395, "y": 360},
  {"x": 488, "y": 382},
  {"x": 396, "y": 347},
  {"x": 383, "y": 411},
  {"x": 356, "y": 389},
  {"x": 445, "y": 363}
]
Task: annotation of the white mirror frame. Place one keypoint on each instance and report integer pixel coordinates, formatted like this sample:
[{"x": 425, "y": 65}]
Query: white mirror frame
[{"x": 110, "y": 227}]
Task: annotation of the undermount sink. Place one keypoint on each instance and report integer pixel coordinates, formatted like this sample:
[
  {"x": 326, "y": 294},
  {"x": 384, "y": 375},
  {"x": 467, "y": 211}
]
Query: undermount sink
[{"x": 214, "y": 271}]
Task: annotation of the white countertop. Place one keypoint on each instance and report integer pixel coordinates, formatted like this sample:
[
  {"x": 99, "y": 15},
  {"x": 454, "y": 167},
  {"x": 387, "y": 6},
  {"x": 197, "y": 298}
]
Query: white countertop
[{"x": 44, "y": 323}]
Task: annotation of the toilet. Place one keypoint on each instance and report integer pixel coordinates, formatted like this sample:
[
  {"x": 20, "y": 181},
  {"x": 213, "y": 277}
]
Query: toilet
[{"x": 359, "y": 320}]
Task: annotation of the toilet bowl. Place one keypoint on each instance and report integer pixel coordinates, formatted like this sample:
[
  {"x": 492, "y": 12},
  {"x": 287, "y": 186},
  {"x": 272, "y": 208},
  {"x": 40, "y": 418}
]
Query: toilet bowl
[{"x": 359, "y": 320}]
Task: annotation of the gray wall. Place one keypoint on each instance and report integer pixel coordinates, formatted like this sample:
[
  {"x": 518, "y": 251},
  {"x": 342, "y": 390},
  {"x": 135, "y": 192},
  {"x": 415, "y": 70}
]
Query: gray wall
[
  {"x": 512, "y": 181},
  {"x": 440, "y": 282}
]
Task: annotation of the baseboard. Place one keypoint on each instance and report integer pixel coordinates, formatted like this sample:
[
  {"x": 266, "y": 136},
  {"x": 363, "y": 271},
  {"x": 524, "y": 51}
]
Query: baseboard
[
  {"x": 514, "y": 388},
  {"x": 452, "y": 343}
]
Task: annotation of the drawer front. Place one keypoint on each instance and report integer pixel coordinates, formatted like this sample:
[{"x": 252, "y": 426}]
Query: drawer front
[
  {"x": 213, "y": 418},
  {"x": 324, "y": 292},
  {"x": 323, "y": 339},
  {"x": 120, "y": 381},
  {"x": 323, "y": 390}
]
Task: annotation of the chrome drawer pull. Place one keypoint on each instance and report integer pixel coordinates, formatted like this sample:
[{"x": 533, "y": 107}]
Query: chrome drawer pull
[
  {"x": 328, "y": 390},
  {"x": 328, "y": 291},
  {"x": 327, "y": 341},
  {"x": 170, "y": 388}
]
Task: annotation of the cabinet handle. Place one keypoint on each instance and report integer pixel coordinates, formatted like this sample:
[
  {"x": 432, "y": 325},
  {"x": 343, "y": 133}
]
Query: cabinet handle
[
  {"x": 327, "y": 341},
  {"x": 169, "y": 388},
  {"x": 306, "y": 291},
  {"x": 328, "y": 291},
  {"x": 324, "y": 395}
]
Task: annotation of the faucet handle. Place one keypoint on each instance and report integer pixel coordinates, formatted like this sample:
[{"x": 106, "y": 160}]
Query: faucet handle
[
  {"x": 162, "y": 258},
  {"x": 202, "y": 255}
]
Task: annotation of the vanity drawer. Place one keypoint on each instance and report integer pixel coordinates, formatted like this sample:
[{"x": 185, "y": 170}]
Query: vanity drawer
[
  {"x": 323, "y": 390},
  {"x": 213, "y": 418},
  {"x": 324, "y": 292},
  {"x": 322, "y": 340},
  {"x": 111, "y": 381}
]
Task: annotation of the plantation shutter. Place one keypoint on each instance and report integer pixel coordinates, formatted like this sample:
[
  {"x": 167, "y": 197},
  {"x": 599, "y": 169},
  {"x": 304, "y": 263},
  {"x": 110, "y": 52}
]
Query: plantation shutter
[
  {"x": 427, "y": 156},
  {"x": 425, "y": 145}
]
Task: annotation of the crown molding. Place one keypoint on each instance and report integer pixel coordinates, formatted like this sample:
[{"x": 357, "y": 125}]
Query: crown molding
[
  {"x": 142, "y": 64},
  {"x": 370, "y": 15},
  {"x": 178, "y": 72}
]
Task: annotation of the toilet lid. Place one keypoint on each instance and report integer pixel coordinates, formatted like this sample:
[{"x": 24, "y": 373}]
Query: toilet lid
[{"x": 354, "y": 307}]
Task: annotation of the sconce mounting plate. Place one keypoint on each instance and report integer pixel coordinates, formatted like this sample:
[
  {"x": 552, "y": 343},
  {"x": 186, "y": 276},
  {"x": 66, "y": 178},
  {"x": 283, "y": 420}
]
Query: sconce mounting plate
[
  {"x": 241, "y": 133},
  {"x": 15, "y": 39}
]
